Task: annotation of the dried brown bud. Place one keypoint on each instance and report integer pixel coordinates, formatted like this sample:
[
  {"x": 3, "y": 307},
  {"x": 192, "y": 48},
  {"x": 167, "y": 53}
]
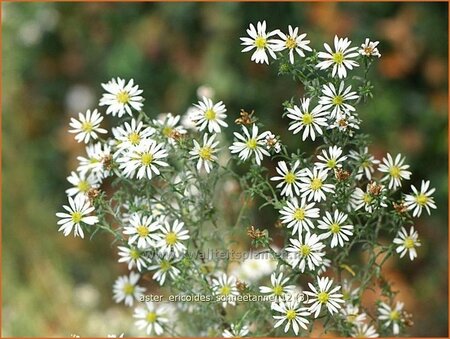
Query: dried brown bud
[
  {"x": 176, "y": 135},
  {"x": 92, "y": 194},
  {"x": 255, "y": 233},
  {"x": 107, "y": 162},
  {"x": 407, "y": 319},
  {"x": 241, "y": 286},
  {"x": 245, "y": 118},
  {"x": 341, "y": 174},
  {"x": 400, "y": 207},
  {"x": 374, "y": 189}
]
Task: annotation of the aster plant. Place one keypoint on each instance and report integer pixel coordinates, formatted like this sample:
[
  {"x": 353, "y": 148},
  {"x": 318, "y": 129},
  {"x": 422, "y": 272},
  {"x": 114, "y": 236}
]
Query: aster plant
[{"x": 167, "y": 192}]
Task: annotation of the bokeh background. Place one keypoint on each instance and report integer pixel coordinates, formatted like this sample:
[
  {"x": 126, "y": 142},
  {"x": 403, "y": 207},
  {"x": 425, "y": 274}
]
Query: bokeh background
[{"x": 54, "y": 57}]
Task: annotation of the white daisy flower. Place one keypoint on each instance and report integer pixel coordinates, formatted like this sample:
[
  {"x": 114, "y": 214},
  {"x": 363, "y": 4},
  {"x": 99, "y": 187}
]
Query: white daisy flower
[
  {"x": 272, "y": 143},
  {"x": 298, "y": 216},
  {"x": 87, "y": 126},
  {"x": 145, "y": 158},
  {"x": 142, "y": 231},
  {"x": 236, "y": 331},
  {"x": 225, "y": 289},
  {"x": 345, "y": 122},
  {"x": 335, "y": 226},
  {"x": 81, "y": 183},
  {"x": 293, "y": 42},
  {"x": 337, "y": 100},
  {"x": 210, "y": 115},
  {"x": 340, "y": 59},
  {"x": 306, "y": 120},
  {"x": 364, "y": 331},
  {"x": 324, "y": 295},
  {"x": 164, "y": 267},
  {"x": 306, "y": 250},
  {"x": 407, "y": 242},
  {"x": 256, "y": 266},
  {"x": 205, "y": 153},
  {"x": 365, "y": 162},
  {"x": 126, "y": 289},
  {"x": 360, "y": 199},
  {"x": 247, "y": 145},
  {"x": 120, "y": 98},
  {"x": 369, "y": 48},
  {"x": 152, "y": 318},
  {"x": 292, "y": 313},
  {"x": 78, "y": 209},
  {"x": 389, "y": 315},
  {"x": 418, "y": 200},
  {"x": 133, "y": 256},
  {"x": 352, "y": 316},
  {"x": 167, "y": 125},
  {"x": 130, "y": 135},
  {"x": 395, "y": 169},
  {"x": 279, "y": 287},
  {"x": 171, "y": 238},
  {"x": 313, "y": 185},
  {"x": 331, "y": 159},
  {"x": 259, "y": 39},
  {"x": 290, "y": 179},
  {"x": 94, "y": 162}
]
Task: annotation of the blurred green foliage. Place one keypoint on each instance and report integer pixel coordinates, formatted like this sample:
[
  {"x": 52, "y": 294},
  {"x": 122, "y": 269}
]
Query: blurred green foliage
[{"x": 55, "y": 55}]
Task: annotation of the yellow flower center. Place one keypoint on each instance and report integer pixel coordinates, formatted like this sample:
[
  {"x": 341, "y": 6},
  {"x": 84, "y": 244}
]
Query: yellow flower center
[
  {"x": 225, "y": 290},
  {"x": 307, "y": 119},
  {"x": 394, "y": 171},
  {"x": 93, "y": 160},
  {"x": 123, "y": 97},
  {"x": 290, "y": 178},
  {"x": 335, "y": 228},
  {"x": 171, "y": 238},
  {"x": 165, "y": 265},
  {"x": 323, "y": 297},
  {"x": 210, "y": 114},
  {"x": 367, "y": 198},
  {"x": 421, "y": 199},
  {"x": 394, "y": 315},
  {"x": 87, "y": 126},
  {"x": 338, "y": 57},
  {"x": 305, "y": 250},
  {"x": 316, "y": 184},
  {"x": 205, "y": 153},
  {"x": 128, "y": 289},
  {"x": 76, "y": 217},
  {"x": 252, "y": 143},
  {"x": 291, "y": 314},
  {"x": 278, "y": 290},
  {"x": 291, "y": 43},
  {"x": 368, "y": 50},
  {"x": 134, "y": 138},
  {"x": 409, "y": 243},
  {"x": 146, "y": 159},
  {"x": 365, "y": 164},
  {"x": 337, "y": 100},
  {"x": 167, "y": 131},
  {"x": 299, "y": 214},
  {"x": 135, "y": 254},
  {"x": 151, "y": 317},
  {"x": 260, "y": 42},
  {"x": 83, "y": 186},
  {"x": 351, "y": 318},
  {"x": 331, "y": 163},
  {"x": 142, "y": 231}
]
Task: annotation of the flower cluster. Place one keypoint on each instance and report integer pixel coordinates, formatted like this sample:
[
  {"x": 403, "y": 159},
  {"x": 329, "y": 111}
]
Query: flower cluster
[{"x": 157, "y": 183}]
